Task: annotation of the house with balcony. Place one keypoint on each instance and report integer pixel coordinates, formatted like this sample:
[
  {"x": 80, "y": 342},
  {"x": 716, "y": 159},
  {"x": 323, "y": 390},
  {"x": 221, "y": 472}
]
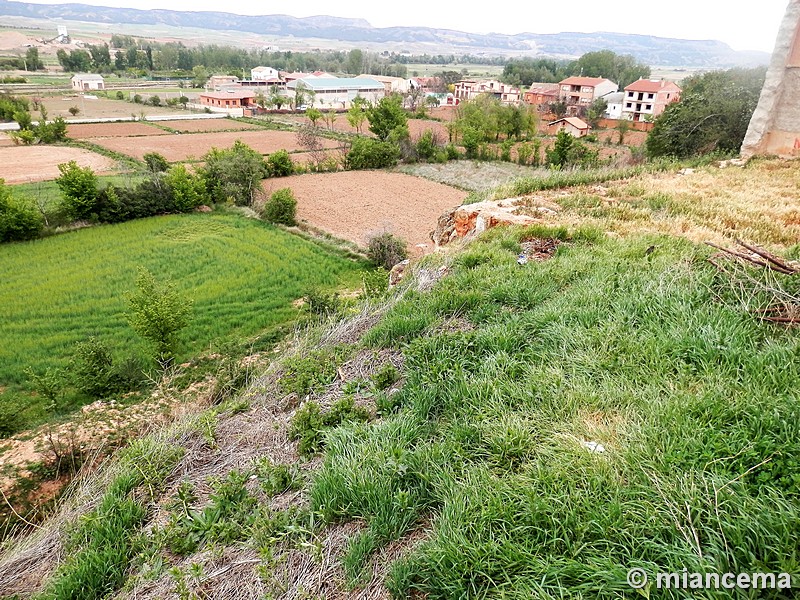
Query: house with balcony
[
  {"x": 469, "y": 89},
  {"x": 582, "y": 91},
  {"x": 647, "y": 98},
  {"x": 263, "y": 73}
]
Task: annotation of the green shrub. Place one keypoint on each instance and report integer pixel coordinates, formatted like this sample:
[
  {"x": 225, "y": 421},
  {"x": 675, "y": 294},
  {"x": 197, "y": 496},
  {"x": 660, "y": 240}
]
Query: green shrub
[
  {"x": 376, "y": 283},
  {"x": 156, "y": 163},
  {"x": 92, "y": 369},
  {"x": 426, "y": 146},
  {"x": 368, "y": 153},
  {"x": 279, "y": 164},
  {"x": 310, "y": 423},
  {"x": 78, "y": 186},
  {"x": 155, "y": 100},
  {"x": 281, "y": 207},
  {"x": 386, "y": 376},
  {"x": 19, "y": 220},
  {"x": 137, "y": 99},
  {"x": 386, "y": 250},
  {"x": 319, "y": 302},
  {"x": 306, "y": 374},
  {"x": 120, "y": 95}
]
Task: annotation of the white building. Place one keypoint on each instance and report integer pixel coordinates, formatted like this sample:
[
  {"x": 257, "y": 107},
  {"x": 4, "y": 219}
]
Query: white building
[
  {"x": 88, "y": 81},
  {"x": 615, "y": 102},
  {"x": 338, "y": 92},
  {"x": 263, "y": 73}
]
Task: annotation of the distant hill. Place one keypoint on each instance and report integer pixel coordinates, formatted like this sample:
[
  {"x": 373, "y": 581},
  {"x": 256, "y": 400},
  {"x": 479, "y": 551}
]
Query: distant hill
[{"x": 649, "y": 49}]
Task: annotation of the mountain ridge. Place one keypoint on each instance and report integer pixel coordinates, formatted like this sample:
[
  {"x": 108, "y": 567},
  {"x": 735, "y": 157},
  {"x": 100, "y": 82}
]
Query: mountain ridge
[{"x": 653, "y": 50}]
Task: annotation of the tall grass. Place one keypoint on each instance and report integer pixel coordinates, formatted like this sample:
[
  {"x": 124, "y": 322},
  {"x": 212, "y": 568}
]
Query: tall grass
[
  {"x": 693, "y": 401},
  {"x": 242, "y": 274}
]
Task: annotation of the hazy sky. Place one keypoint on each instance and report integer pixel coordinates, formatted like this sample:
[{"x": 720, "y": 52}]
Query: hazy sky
[{"x": 744, "y": 24}]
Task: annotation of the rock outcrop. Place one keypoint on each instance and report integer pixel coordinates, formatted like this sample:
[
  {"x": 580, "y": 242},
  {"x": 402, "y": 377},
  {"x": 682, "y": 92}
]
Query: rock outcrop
[
  {"x": 775, "y": 125},
  {"x": 469, "y": 219}
]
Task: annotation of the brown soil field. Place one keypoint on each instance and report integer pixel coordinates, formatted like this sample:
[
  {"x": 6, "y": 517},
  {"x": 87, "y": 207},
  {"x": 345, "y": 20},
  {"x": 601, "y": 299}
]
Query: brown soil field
[
  {"x": 82, "y": 131},
  {"x": 182, "y": 147},
  {"x": 416, "y": 127},
  {"x": 23, "y": 164},
  {"x": 206, "y": 125},
  {"x": 353, "y": 205},
  {"x": 632, "y": 138},
  {"x": 58, "y": 106}
]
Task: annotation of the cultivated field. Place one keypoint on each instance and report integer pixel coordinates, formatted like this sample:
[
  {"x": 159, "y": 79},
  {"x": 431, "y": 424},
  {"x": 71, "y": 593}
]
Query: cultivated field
[
  {"x": 24, "y": 164},
  {"x": 242, "y": 274},
  {"x": 355, "y": 204},
  {"x": 82, "y": 131},
  {"x": 416, "y": 127},
  {"x": 101, "y": 108},
  {"x": 185, "y": 147},
  {"x": 207, "y": 125}
]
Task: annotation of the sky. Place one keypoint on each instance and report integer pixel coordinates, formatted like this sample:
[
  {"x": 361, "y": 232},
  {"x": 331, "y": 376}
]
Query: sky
[{"x": 743, "y": 24}]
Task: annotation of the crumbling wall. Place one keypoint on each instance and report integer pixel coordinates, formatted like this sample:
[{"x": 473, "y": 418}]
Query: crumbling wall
[{"x": 775, "y": 126}]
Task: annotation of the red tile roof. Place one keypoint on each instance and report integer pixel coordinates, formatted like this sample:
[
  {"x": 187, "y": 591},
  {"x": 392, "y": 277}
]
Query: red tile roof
[
  {"x": 650, "y": 86},
  {"x": 574, "y": 121},
  {"x": 590, "y": 81},
  {"x": 231, "y": 95}
]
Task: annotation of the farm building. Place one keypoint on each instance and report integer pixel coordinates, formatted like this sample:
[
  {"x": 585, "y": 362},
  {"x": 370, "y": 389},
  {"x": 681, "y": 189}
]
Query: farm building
[
  {"x": 88, "y": 81},
  {"x": 338, "y": 92},
  {"x": 392, "y": 84},
  {"x": 572, "y": 125},
  {"x": 215, "y": 82},
  {"x": 233, "y": 101}
]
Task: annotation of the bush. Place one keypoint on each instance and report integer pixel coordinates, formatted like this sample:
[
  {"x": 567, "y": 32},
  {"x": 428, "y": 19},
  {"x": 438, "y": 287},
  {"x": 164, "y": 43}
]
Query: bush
[
  {"x": 18, "y": 219},
  {"x": 386, "y": 250},
  {"x": 322, "y": 303},
  {"x": 188, "y": 191},
  {"x": 137, "y": 99},
  {"x": 120, "y": 95},
  {"x": 155, "y": 162},
  {"x": 74, "y": 110},
  {"x": 234, "y": 174},
  {"x": 367, "y": 153},
  {"x": 281, "y": 207},
  {"x": 155, "y": 100},
  {"x": 279, "y": 164},
  {"x": 426, "y": 146},
  {"x": 92, "y": 369},
  {"x": 78, "y": 186}
]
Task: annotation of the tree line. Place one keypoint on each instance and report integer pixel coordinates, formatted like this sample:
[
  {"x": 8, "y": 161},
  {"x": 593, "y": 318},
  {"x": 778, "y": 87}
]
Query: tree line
[{"x": 622, "y": 69}]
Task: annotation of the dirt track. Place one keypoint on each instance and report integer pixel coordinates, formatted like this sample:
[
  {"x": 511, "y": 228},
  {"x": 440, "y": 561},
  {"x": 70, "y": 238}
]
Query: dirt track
[
  {"x": 23, "y": 164},
  {"x": 82, "y": 131},
  {"x": 353, "y": 205}
]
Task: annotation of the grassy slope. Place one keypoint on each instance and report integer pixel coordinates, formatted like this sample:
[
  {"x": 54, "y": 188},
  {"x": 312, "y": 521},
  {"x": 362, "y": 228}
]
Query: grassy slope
[
  {"x": 242, "y": 274},
  {"x": 694, "y": 401},
  {"x": 636, "y": 343}
]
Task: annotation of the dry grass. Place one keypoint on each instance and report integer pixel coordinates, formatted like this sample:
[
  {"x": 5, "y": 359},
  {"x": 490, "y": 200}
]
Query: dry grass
[{"x": 758, "y": 203}]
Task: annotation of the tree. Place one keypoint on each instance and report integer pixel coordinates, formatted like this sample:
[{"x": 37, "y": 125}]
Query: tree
[
  {"x": 596, "y": 111},
  {"x": 368, "y": 153},
  {"x": 356, "y": 115},
  {"x": 623, "y": 127},
  {"x": 78, "y": 187},
  {"x": 74, "y": 110},
  {"x": 622, "y": 69},
  {"x": 233, "y": 174},
  {"x": 157, "y": 312},
  {"x": 199, "y": 76},
  {"x": 32, "y": 60},
  {"x": 567, "y": 151},
  {"x": 713, "y": 114},
  {"x": 388, "y": 118},
  {"x": 559, "y": 109},
  {"x": 188, "y": 191},
  {"x": 313, "y": 115},
  {"x": 279, "y": 164},
  {"x": 355, "y": 62},
  {"x": 281, "y": 207}
]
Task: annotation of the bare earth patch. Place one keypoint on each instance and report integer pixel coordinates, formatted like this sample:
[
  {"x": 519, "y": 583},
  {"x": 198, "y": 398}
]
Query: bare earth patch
[
  {"x": 182, "y": 147},
  {"x": 206, "y": 125},
  {"x": 81, "y": 131},
  {"x": 355, "y": 204},
  {"x": 101, "y": 108},
  {"x": 23, "y": 164}
]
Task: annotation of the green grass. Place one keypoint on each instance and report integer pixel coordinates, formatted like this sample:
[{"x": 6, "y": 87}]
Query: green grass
[
  {"x": 49, "y": 195},
  {"x": 242, "y": 274},
  {"x": 693, "y": 399}
]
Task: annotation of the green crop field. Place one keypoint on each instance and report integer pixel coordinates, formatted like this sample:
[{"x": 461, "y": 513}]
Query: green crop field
[{"x": 242, "y": 274}]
